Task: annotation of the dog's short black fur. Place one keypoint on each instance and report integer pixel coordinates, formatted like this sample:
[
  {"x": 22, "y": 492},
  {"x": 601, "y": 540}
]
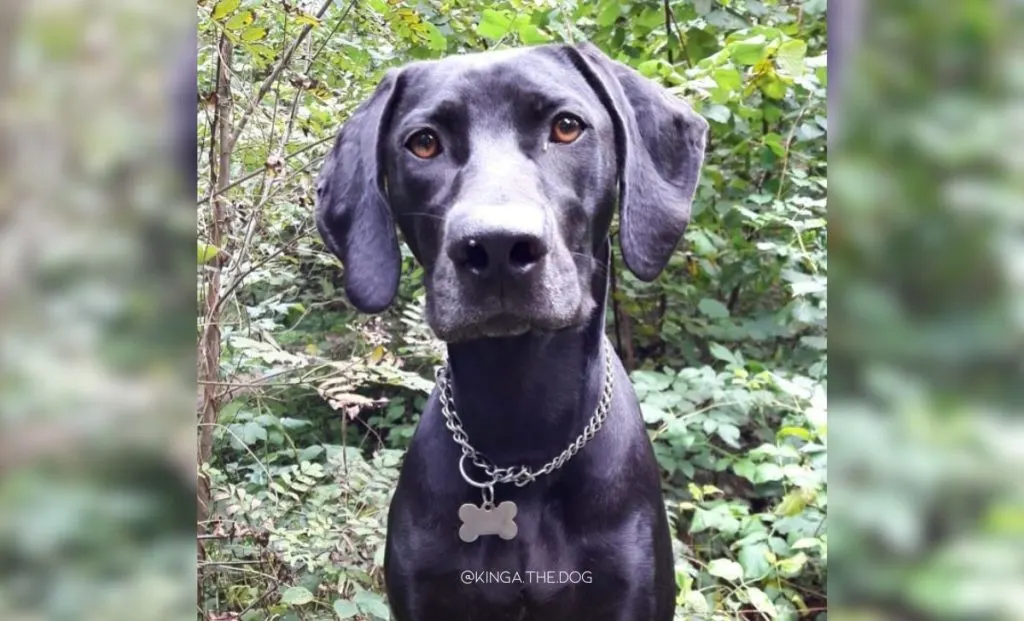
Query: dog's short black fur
[{"x": 510, "y": 222}]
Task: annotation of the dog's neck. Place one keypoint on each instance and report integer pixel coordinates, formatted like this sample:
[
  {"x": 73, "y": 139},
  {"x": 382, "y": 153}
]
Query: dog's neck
[{"x": 523, "y": 399}]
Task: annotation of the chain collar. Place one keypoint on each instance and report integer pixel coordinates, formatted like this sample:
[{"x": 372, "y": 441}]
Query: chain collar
[{"x": 520, "y": 475}]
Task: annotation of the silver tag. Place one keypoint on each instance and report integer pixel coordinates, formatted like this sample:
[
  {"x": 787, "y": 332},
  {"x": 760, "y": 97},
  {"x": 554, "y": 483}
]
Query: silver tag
[{"x": 488, "y": 520}]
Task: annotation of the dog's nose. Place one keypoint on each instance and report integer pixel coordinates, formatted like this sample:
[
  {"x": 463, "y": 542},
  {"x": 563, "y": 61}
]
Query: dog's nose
[{"x": 489, "y": 254}]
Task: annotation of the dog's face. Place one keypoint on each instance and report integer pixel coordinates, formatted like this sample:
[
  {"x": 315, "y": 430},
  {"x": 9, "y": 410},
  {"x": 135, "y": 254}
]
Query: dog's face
[
  {"x": 502, "y": 171},
  {"x": 501, "y": 176}
]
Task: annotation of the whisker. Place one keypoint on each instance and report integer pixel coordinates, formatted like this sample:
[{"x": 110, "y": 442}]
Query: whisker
[
  {"x": 424, "y": 214},
  {"x": 581, "y": 255}
]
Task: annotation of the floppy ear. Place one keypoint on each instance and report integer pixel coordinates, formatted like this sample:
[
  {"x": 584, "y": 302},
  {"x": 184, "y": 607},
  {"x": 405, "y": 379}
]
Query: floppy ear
[
  {"x": 659, "y": 141},
  {"x": 352, "y": 214}
]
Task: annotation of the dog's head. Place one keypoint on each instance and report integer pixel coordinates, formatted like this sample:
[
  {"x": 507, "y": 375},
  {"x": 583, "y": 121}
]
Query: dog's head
[{"x": 502, "y": 171}]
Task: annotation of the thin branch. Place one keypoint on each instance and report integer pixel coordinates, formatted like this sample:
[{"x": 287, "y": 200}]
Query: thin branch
[
  {"x": 789, "y": 140},
  {"x": 267, "y": 83},
  {"x": 337, "y": 26},
  {"x": 668, "y": 31},
  {"x": 295, "y": 102},
  {"x": 261, "y": 170},
  {"x": 681, "y": 37},
  {"x": 238, "y": 278},
  {"x": 277, "y": 94}
]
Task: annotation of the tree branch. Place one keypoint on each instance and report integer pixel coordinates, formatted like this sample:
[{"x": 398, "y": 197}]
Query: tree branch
[
  {"x": 265, "y": 86},
  {"x": 668, "y": 31},
  {"x": 209, "y": 349},
  {"x": 262, "y": 169}
]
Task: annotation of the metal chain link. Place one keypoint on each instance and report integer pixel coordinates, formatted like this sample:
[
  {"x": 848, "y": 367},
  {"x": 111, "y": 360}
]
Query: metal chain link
[{"x": 522, "y": 475}]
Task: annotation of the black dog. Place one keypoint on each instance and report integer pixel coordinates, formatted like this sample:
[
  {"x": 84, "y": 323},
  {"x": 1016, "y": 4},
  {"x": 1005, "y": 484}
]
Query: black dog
[{"x": 502, "y": 171}]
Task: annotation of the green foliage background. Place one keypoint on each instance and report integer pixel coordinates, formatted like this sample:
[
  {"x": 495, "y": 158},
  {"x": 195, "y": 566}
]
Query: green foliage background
[{"x": 310, "y": 404}]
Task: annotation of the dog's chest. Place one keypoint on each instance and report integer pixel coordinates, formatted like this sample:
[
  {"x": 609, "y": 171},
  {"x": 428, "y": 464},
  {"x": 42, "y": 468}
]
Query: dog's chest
[
  {"x": 548, "y": 570},
  {"x": 543, "y": 543},
  {"x": 539, "y": 569}
]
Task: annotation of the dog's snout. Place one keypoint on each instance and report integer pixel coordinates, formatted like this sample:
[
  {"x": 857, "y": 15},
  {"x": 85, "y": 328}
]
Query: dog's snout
[
  {"x": 492, "y": 243},
  {"x": 497, "y": 253}
]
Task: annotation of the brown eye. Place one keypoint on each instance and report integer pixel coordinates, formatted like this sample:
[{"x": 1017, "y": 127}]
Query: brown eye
[
  {"x": 566, "y": 128},
  {"x": 424, "y": 144}
]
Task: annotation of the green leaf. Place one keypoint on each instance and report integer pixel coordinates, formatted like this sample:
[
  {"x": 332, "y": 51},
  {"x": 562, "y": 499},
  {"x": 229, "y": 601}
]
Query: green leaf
[
  {"x": 652, "y": 414},
  {"x": 700, "y": 44},
  {"x": 713, "y": 309},
  {"x": 728, "y": 78},
  {"x": 652, "y": 381},
  {"x": 798, "y": 432},
  {"x": 310, "y": 452},
  {"x": 792, "y": 504},
  {"x": 718, "y": 113},
  {"x": 608, "y": 13},
  {"x": 774, "y": 142},
  {"x": 649, "y": 68},
  {"x": 716, "y": 518},
  {"x": 240, "y": 20},
  {"x": 722, "y": 353},
  {"x": 808, "y": 131},
  {"x": 307, "y": 20},
  {"x": 687, "y": 469},
  {"x": 206, "y": 253},
  {"x": 435, "y": 39},
  {"x": 773, "y": 87},
  {"x": 815, "y": 7},
  {"x": 790, "y": 56},
  {"x": 229, "y": 412},
  {"x": 649, "y": 19},
  {"x": 745, "y": 468},
  {"x": 372, "y": 603},
  {"x": 532, "y": 35},
  {"x": 695, "y": 602},
  {"x": 791, "y": 566},
  {"x": 224, "y": 8},
  {"x": 345, "y": 609},
  {"x": 254, "y": 33},
  {"x": 729, "y": 434},
  {"x": 754, "y": 559},
  {"x": 768, "y": 472},
  {"x": 726, "y": 569},
  {"x": 749, "y": 51},
  {"x": 804, "y": 284},
  {"x": 249, "y": 433},
  {"x": 760, "y": 601},
  {"x": 264, "y": 53},
  {"x": 493, "y": 24},
  {"x": 703, "y": 7},
  {"x": 806, "y": 542},
  {"x": 296, "y": 596}
]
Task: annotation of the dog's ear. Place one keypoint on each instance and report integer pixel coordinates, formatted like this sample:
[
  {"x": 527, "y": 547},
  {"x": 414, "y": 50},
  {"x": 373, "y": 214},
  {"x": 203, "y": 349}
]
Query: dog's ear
[
  {"x": 659, "y": 141},
  {"x": 352, "y": 213}
]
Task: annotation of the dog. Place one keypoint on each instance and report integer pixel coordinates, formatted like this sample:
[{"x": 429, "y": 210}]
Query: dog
[{"x": 502, "y": 171}]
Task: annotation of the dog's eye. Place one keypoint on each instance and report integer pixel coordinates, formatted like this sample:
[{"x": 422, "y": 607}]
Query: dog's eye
[
  {"x": 424, "y": 144},
  {"x": 566, "y": 128}
]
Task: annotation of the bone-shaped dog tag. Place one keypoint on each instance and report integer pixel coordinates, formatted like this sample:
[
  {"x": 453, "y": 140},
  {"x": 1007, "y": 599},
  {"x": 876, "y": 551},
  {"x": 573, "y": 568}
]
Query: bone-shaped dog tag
[{"x": 486, "y": 520}]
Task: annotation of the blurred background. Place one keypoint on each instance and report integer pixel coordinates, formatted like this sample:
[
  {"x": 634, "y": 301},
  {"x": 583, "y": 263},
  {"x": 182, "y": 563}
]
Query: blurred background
[
  {"x": 926, "y": 241},
  {"x": 97, "y": 302},
  {"x": 98, "y": 332}
]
